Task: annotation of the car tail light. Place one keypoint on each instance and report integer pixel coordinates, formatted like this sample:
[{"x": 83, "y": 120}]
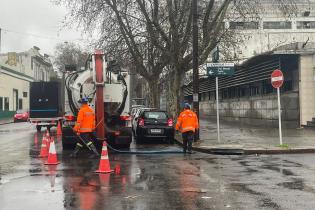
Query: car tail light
[
  {"x": 125, "y": 117},
  {"x": 69, "y": 117},
  {"x": 170, "y": 122},
  {"x": 141, "y": 122},
  {"x": 117, "y": 133}
]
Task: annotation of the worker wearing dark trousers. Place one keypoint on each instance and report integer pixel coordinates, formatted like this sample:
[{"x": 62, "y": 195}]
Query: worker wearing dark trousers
[
  {"x": 84, "y": 128},
  {"x": 188, "y": 138},
  {"x": 187, "y": 124}
]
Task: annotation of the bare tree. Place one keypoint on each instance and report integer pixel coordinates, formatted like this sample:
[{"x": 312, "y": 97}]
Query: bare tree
[
  {"x": 155, "y": 35},
  {"x": 69, "y": 54}
]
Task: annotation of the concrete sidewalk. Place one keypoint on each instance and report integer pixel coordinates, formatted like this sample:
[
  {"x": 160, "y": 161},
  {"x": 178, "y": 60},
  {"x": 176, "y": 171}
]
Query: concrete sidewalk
[
  {"x": 238, "y": 139},
  {"x": 6, "y": 121}
]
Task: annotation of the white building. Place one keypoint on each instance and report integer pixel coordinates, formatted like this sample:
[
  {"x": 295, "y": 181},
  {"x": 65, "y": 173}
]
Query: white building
[
  {"x": 14, "y": 90},
  {"x": 30, "y": 63},
  {"x": 272, "y": 29},
  {"x": 17, "y": 70}
]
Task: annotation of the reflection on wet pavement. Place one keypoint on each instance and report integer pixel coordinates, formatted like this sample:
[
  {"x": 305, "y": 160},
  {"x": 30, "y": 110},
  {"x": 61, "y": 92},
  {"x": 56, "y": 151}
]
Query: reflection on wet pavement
[{"x": 168, "y": 181}]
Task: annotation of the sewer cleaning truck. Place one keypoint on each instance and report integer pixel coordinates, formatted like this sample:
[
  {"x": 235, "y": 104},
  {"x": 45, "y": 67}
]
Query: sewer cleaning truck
[{"x": 105, "y": 85}]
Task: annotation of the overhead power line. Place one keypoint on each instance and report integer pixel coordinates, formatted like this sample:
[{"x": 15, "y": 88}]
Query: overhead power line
[{"x": 37, "y": 35}]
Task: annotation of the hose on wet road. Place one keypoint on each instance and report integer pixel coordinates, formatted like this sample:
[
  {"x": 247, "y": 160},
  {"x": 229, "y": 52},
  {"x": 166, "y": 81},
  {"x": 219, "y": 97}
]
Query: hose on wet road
[{"x": 143, "y": 152}]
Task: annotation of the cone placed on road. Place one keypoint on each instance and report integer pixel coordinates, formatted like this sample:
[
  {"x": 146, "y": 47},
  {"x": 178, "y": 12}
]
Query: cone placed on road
[
  {"x": 48, "y": 140},
  {"x": 52, "y": 156},
  {"x": 104, "y": 166},
  {"x": 44, "y": 149},
  {"x": 59, "y": 131}
]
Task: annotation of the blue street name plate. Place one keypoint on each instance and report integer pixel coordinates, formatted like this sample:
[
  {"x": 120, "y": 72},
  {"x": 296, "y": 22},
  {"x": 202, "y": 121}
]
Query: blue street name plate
[{"x": 220, "y": 69}]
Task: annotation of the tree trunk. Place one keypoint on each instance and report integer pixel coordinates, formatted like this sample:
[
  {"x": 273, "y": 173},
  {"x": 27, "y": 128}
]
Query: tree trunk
[
  {"x": 175, "y": 95},
  {"x": 154, "y": 95}
]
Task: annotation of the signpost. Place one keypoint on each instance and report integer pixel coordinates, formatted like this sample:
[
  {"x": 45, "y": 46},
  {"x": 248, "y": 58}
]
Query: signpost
[
  {"x": 277, "y": 81},
  {"x": 219, "y": 70}
]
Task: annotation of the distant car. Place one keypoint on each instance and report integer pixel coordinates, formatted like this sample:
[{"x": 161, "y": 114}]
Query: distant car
[
  {"x": 134, "y": 109},
  {"x": 154, "y": 124},
  {"x": 21, "y": 115}
]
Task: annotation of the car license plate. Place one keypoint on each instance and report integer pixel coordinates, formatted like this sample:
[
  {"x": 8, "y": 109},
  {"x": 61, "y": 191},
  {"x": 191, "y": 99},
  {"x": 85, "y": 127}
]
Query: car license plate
[
  {"x": 156, "y": 131},
  {"x": 69, "y": 123}
]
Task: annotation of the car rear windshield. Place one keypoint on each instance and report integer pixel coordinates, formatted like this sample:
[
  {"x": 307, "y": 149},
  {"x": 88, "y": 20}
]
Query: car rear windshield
[
  {"x": 20, "y": 111},
  {"x": 155, "y": 115}
]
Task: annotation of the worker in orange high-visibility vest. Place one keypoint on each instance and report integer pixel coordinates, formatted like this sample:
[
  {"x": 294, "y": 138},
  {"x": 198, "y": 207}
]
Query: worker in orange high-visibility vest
[
  {"x": 187, "y": 124},
  {"x": 84, "y": 128}
]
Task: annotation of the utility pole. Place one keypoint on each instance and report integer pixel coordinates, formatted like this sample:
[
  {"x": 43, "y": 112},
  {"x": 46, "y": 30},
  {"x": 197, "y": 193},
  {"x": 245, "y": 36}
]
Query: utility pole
[{"x": 195, "y": 61}]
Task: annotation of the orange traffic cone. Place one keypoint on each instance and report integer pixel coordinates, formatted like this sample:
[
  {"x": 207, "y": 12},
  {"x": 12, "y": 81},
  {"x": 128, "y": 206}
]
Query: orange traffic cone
[
  {"x": 104, "y": 166},
  {"x": 44, "y": 149},
  {"x": 52, "y": 157},
  {"x": 59, "y": 132},
  {"x": 48, "y": 140}
]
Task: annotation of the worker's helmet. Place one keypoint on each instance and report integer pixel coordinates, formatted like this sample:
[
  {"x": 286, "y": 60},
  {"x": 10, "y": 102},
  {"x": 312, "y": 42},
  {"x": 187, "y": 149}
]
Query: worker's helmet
[
  {"x": 84, "y": 100},
  {"x": 186, "y": 106}
]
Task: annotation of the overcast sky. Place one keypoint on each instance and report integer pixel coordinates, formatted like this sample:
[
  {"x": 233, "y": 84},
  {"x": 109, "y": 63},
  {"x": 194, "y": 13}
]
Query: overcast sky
[{"x": 26, "y": 23}]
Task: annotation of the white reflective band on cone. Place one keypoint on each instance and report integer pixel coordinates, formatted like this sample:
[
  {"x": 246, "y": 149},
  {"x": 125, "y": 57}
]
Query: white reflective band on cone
[
  {"x": 104, "y": 148},
  {"x": 52, "y": 149},
  {"x": 104, "y": 157}
]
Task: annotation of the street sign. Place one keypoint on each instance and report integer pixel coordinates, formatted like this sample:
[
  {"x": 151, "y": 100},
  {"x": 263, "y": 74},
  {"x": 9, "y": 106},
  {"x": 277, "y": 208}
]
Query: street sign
[
  {"x": 277, "y": 78},
  {"x": 277, "y": 81},
  {"x": 220, "y": 69}
]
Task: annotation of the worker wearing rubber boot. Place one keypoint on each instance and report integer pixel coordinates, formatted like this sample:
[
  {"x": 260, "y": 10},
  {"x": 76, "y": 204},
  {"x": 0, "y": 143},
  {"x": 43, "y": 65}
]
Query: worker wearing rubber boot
[
  {"x": 84, "y": 127},
  {"x": 187, "y": 124}
]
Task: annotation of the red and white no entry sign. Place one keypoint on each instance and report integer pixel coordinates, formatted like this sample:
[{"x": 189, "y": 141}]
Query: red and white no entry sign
[{"x": 277, "y": 78}]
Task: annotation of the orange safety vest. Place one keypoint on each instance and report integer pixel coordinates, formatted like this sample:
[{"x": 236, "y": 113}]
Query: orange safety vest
[
  {"x": 187, "y": 121},
  {"x": 86, "y": 120}
]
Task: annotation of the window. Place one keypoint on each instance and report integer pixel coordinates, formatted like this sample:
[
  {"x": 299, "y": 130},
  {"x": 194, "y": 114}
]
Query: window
[
  {"x": 305, "y": 24},
  {"x": 25, "y": 94},
  {"x": 6, "y": 103},
  {"x": 155, "y": 115},
  {"x": 1, "y": 103},
  {"x": 277, "y": 25},
  {"x": 243, "y": 25},
  {"x": 212, "y": 95},
  {"x": 20, "y": 103},
  {"x": 287, "y": 86},
  {"x": 243, "y": 91},
  {"x": 254, "y": 90},
  {"x": 267, "y": 87},
  {"x": 225, "y": 94}
]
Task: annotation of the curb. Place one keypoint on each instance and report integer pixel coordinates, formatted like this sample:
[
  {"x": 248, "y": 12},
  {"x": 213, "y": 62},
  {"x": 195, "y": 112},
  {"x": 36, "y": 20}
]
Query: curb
[
  {"x": 226, "y": 151},
  {"x": 279, "y": 151},
  {"x": 215, "y": 151},
  {"x": 5, "y": 123}
]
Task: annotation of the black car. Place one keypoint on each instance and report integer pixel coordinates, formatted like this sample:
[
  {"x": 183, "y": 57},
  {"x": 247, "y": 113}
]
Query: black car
[{"x": 154, "y": 124}]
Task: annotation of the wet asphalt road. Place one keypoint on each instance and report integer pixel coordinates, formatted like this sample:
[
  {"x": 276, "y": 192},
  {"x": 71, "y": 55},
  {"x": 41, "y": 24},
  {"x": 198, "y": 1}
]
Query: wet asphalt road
[{"x": 168, "y": 181}]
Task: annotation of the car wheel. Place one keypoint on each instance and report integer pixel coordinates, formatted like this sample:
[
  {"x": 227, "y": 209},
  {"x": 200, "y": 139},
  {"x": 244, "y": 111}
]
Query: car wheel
[
  {"x": 38, "y": 128},
  {"x": 170, "y": 140},
  {"x": 139, "y": 139}
]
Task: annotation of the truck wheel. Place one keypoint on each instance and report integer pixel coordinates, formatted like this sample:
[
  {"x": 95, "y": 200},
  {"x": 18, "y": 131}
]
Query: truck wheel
[
  {"x": 38, "y": 128},
  {"x": 66, "y": 146}
]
